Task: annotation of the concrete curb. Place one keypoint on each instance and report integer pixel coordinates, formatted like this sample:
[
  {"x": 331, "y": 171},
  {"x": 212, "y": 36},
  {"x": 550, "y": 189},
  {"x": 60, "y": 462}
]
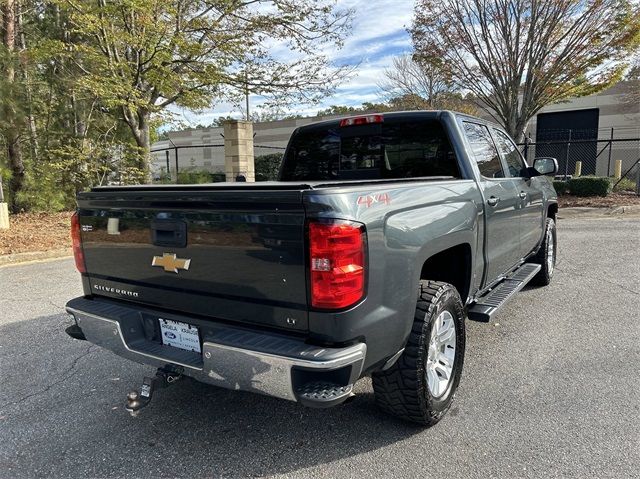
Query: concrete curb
[
  {"x": 595, "y": 212},
  {"x": 627, "y": 210},
  {"x": 21, "y": 258}
]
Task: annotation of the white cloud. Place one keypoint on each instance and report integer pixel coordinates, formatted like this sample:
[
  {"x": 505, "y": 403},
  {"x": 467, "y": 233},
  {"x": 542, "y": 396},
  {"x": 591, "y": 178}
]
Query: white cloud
[{"x": 379, "y": 32}]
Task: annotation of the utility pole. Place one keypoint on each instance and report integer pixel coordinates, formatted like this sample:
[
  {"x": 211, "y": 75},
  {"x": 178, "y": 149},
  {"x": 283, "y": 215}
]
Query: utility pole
[
  {"x": 175, "y": 151},
  {"x": 246, "y": 93},
  {"x": 610, "y": 148}
]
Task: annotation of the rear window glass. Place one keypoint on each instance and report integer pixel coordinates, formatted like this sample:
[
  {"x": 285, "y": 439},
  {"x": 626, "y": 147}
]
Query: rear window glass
[{"x": 377, "y": 151}]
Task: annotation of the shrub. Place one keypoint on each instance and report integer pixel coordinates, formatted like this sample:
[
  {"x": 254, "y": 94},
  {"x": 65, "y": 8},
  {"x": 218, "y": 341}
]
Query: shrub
[
  {"x": 162, "y": 178},
  {"x": 267, "y": 166},
  {"x": 191, "y": 177},
  {"x": 561, "y": 187},
  {"x": 590, "y": 186},
  {"x": 625, "y": 185},
  {"x": 44, "y": 190}
]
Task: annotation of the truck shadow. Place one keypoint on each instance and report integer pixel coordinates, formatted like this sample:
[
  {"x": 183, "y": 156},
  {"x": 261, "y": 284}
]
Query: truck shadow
[
  {"x": 252, "y": 435},
  {"x": 62, "y": 408}
]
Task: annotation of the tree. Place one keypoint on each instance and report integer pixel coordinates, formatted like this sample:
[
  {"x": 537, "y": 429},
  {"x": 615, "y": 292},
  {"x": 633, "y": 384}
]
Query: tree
[
  {"x": 12, "y": 122},
  {"x": 630, "y": 95},
  {"x": 141, "y": 56},
  {"x": 218, "y": 122},
  {"x": 416, "y": 79},
  {"x": 339, "y": 110},
  {"x": 74, "y": 141},
  {"x": 418, "y": 83},
  {"x": 375, "y": 107},
  {"x": 266, "y": 115},
  {"x": 518, "y": 56}
]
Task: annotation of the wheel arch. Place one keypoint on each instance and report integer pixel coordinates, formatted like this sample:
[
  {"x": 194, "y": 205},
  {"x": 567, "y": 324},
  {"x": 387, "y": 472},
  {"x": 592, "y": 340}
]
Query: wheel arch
[
  {"x": 453, "y": 266},
  {"x": 552, "y": 211}
]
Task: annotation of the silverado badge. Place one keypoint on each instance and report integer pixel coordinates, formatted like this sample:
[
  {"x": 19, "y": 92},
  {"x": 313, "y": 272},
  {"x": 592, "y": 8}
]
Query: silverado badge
[{"x": 170, "y": 262}]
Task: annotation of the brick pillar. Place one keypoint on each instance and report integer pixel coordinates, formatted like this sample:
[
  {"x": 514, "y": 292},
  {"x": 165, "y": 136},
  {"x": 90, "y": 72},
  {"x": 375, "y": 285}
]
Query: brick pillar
[{"x": 238, "y": 150}]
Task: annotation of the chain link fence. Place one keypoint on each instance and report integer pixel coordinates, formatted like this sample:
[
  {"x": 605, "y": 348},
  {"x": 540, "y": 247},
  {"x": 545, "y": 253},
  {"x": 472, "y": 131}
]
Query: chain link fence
[
  {"x": 192, "y": 164},
  {"x": 262, "y": 150},
  {"x": 614, "y": 157},
  {"x": 168, "y": 164}
]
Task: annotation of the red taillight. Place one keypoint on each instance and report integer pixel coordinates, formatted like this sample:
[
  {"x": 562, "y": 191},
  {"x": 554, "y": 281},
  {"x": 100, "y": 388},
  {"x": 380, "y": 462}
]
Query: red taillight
[
  {"x": 337, "y": 264},
  {"x": 77, "y": 243},
  {"x": 362, "y": 120}
]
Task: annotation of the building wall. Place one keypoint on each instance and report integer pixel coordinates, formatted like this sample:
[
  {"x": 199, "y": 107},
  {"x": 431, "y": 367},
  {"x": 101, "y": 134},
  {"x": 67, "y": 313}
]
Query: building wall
[
  {"x": 624, "y": 119},
  {"x": 193, "y": 154},
  {"x": 616, "y": 120}
]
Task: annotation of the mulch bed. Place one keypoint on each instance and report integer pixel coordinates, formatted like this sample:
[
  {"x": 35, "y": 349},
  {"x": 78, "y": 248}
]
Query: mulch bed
[{"x": 30, "y": 232}]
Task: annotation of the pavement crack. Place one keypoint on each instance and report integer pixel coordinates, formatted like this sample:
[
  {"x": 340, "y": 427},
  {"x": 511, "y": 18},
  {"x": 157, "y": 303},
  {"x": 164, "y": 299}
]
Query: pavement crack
[
  {"x": 67, "y": 374},
  {"x": 613, "y": 283},
  {"x": 621, "y": 286},
  {"x": 57, "y": 306}
]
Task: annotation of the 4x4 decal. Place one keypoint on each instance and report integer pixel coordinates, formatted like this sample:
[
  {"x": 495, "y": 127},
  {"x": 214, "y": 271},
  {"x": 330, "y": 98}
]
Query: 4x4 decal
[{"x": 372, "y": 199}]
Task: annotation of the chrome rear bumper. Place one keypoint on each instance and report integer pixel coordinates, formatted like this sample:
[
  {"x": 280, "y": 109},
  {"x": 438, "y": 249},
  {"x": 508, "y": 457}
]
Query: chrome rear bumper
[{"x": 233, "y": 358}]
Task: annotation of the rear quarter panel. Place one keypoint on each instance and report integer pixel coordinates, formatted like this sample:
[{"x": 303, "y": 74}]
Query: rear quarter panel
[{"x": 407, "y": 223}]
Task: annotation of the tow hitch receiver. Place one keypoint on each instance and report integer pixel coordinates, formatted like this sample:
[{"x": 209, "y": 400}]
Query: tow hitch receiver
[{"x": 164, "y": 377}]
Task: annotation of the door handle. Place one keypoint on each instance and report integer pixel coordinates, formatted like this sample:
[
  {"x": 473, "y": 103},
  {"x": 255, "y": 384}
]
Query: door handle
[
  {"x": 493, "y": 201},
  {"x": 522, "y": 195},
  {"x": 169, "y": 233}
]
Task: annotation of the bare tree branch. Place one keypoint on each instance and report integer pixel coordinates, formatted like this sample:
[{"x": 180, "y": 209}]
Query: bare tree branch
[{"x": 518, "y": 56}]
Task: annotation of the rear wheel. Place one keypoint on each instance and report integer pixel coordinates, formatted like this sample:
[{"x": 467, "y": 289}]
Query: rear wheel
[
  {"x": 421, "y": 385},
  {"x": 546, "y": 255}
]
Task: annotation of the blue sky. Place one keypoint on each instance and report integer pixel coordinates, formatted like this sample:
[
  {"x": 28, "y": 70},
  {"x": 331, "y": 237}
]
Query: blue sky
[{"x": 378, "y": 34}]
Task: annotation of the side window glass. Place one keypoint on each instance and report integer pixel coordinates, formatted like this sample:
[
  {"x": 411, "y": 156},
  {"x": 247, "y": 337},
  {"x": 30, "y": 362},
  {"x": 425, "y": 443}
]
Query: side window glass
[
  {"x": 511, "y": 154},
  {"x": 484, "y": 150}
]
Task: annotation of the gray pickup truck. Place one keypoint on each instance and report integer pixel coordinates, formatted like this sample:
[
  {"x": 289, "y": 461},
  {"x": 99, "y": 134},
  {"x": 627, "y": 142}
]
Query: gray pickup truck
[{"x": 384, "y": 233}]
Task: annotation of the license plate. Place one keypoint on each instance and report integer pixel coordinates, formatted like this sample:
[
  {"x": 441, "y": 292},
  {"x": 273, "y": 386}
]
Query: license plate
[{"x": 180, "y": 335}]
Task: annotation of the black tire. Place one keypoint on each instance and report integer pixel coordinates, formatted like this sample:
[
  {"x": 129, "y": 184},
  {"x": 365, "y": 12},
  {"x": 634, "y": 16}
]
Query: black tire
[
  {"x": 546, "y": 255},
  {"x": 404, "y": 389}
]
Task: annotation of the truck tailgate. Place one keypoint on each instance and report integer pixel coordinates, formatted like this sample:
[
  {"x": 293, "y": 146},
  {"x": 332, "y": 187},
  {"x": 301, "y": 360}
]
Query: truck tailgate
[{"x": 233, "y": 254}]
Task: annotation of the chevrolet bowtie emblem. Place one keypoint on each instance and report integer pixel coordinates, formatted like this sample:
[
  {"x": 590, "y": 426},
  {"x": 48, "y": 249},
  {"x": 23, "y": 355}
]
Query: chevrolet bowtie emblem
[{"x": 170, "y": 263}]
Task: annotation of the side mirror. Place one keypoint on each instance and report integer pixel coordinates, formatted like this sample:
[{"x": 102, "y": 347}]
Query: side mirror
[{"x": 546, "y": 165}]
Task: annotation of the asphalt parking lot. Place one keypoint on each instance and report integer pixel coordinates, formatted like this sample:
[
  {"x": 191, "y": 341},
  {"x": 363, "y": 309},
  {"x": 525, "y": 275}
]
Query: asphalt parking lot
[{"x": 550, "y": 389}]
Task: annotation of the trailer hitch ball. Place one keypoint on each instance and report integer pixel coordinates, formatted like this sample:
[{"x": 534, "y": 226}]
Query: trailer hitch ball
[
  {"x": 133, "y": 406},
  {"x": 164, "y": 377}
]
